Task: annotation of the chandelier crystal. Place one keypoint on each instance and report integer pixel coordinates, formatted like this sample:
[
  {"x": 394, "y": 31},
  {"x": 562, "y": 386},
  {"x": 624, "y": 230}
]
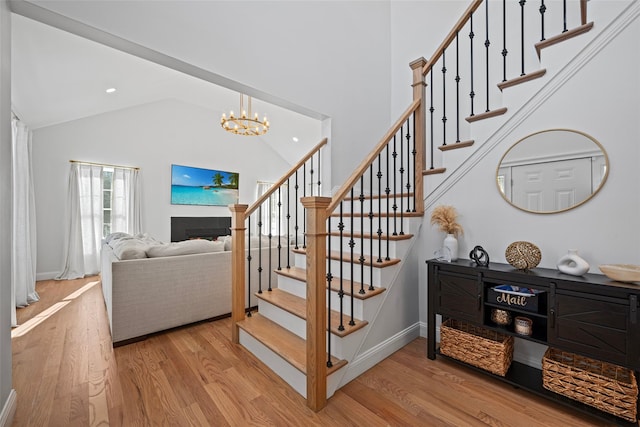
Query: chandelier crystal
[{"x": 247, "y": 123}]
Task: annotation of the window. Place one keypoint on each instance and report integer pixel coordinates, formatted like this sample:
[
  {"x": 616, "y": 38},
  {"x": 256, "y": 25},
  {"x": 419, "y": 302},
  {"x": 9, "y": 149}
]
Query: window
[
  {"x": 107, "y": 198},
  {"x": 274, "y": 210}
]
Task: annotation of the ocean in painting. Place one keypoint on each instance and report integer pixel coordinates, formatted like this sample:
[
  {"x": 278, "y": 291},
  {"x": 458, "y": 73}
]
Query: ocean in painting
[{"x": 188, "y": 195}]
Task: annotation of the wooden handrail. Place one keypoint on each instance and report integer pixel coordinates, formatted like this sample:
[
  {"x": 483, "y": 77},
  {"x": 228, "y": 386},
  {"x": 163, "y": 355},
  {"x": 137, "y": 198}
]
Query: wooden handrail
[
  {"x": 451, "y": 36},
  {"x": 351, "y": 181},
  {"x": 286, "y": 176}
]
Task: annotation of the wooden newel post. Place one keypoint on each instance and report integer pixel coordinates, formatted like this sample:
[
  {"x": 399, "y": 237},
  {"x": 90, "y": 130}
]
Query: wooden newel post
[
  {"x": 237, "y": 268},
  {"x": 316, "y": 300},
  {"x": 420, "y": 124}
]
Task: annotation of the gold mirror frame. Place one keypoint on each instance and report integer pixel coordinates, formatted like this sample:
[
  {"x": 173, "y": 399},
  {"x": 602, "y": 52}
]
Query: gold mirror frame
[{"x": 534, "y": 137}]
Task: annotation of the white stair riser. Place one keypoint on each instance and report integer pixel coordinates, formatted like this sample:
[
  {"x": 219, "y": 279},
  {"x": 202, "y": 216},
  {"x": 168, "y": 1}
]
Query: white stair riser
[
  {"x": 283, "y": 318},
  {"x": 293, "y": 286},
  {"x": 284, "y": 369}
]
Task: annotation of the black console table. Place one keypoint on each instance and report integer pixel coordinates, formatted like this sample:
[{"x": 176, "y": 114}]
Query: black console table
[{"x": 589, "y": 315}]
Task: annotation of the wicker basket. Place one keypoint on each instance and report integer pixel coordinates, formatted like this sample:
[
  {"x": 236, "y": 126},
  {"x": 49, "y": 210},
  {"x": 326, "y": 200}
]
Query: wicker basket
[
  {"x": 488, "y": 350},
  {"x": 605, "y": 386}
]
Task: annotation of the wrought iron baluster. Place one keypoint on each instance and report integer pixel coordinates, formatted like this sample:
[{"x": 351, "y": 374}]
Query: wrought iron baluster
[
  {"x": 564, "y": 16},
  {"x": 408, "y": 184},
  {"x": 329, "y": 278},
  {"x": 361, "y": 259},
  {"x": 269, "y": 201},
  {"x": 431, "y": 110},
  {"x": 395, "y": 205},
  {"x": 542, "y": 10},
  {"x": 414, "y": 152},
  {"x": 341, "y": 246},
  {"x": 522, "y": 3},
  {"x": 296, "y": 227},
  {"x": 487, "y": 43},
  {"x": 259, "y": 249},
  {"x": 371, "y": 223},
  {"x": 457, "y": 87},
  {"x": 401, "y": 197},
  {"x": 379, "y": 175},
  {"x": 444, "y": 99},
  {"x": 279, "y": 230},
  {"x": 304, "y": 210},
  {"x": 311, "y": 176},
  {"x": 387, "y": 191},
  {"x": 472, "y": 94},
  {"x": 504, "y": 40},
  {"x": 288, "y": 223},
  {"x": 352, "y": 243},
  {"x": 249, "y": 266},
  {"x": 319, "y": 173}
]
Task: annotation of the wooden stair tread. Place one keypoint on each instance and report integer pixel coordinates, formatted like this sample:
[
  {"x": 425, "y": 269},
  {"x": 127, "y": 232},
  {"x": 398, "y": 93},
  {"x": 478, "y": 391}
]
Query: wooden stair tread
[
  {"x": 456, "y": 145},
  {"x": 300, "y": 274},
  {"x": 383, "y": 236},
  {"x": 377, "y": 214},
  {"x": 346, "y": 257},
  {"x": 286, "y": 344},
  {"x": 521, "y": 79},
  {"x": 298, "y": 307},
  {"x": 433, "y": 171},
  {"x": 563, "y": 36},
  {"x": 486, "y": 115}
]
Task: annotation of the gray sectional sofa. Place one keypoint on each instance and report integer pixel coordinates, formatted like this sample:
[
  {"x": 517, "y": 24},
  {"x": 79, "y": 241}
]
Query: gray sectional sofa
[{"x": 150, "y": 286}]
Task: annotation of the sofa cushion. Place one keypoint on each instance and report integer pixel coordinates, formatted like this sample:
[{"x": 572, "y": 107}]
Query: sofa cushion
[
  {"x": 129, "y": 248},
  {"x": 186, "y": 247}
]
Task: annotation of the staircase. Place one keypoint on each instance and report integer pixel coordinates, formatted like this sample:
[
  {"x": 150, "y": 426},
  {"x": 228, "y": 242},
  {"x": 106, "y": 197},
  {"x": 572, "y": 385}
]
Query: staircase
[{"x": 335, "y": 311}]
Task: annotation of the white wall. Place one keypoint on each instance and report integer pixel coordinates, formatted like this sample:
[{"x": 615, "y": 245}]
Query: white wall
[
  {"x": 329, "y": 56},
  {"x": 601, "y": 99},
  {"x": 151, "y": 137},
  {"x": 5, "y": 213}
]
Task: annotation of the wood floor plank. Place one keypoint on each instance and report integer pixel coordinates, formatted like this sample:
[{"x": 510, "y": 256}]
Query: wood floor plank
[{"x": 66, "y": 373}]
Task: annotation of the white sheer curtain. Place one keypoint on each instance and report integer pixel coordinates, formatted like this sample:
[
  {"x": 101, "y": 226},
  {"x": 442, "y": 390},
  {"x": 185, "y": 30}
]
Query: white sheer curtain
[
  {"x": 125, "y": 206},
  {"x": 23, "y": 253},
  {"x": 84, "y": 225}
]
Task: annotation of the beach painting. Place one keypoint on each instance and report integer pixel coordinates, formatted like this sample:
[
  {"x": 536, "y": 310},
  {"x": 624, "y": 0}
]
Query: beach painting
[{"x": 207, "y": 187}]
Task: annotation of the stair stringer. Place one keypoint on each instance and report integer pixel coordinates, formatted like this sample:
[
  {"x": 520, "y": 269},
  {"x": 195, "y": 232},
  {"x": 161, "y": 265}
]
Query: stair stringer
[
  {"x": 402, "y": 283},
  {"x": 551, "y": 86}
]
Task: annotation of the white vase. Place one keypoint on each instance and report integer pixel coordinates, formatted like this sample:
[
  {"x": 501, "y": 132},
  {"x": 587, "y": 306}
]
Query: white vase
[
  {"x": 572, "y": 264},
  {"x": 451, "y": 243}
]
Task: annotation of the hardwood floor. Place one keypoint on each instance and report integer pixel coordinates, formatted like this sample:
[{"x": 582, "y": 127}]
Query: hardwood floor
[{"x": 66, "y": 373}]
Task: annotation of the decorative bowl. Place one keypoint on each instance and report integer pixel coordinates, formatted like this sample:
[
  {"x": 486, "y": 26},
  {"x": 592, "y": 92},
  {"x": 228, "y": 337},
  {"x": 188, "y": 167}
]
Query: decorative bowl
[
  {"x": 523, "y": 255},
  {"x": 621, "y": 272},
  {"x": 501, "y": 317},
  {"x": 523, "y": 325}
]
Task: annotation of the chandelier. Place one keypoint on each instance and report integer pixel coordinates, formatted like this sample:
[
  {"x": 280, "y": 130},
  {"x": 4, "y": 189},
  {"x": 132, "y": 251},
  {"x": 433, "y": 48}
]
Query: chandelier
[{"x": 245, "y": 124}]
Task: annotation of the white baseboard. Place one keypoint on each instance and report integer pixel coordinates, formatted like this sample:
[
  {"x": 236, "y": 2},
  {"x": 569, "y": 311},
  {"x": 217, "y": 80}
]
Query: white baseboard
[
  {"x": 9, "y": 409},
  {"x": 47, "y": 275},
  {"x": 375, "y": 355}
]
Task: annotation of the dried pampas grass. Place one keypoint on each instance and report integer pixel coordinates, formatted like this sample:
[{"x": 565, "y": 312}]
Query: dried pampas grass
[{"x": 446, "y": 218}]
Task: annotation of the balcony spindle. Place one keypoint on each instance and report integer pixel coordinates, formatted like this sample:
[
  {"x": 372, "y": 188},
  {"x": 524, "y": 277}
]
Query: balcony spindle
[
  {"x": 564, "y": 16},
  {"x": 288, "y": 223},
  {"x": 270, "y": 236},
  {"x": 371, "y": 223},
  {"x": 395, "y": 205},
  {"x": 311, "y": 176},
  {"x": 414, "y": 153},
  {"x": 279, "y": 230},
  {"x": 408, "y": 184},
  {"x": 352, "y": 243},
  {"x": 401, "y": 174},
  {"x": 319, "y": 173}
]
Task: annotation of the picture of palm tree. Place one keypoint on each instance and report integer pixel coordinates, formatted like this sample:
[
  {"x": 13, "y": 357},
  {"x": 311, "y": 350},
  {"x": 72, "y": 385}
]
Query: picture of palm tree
[{"x": 209, "y": 187}]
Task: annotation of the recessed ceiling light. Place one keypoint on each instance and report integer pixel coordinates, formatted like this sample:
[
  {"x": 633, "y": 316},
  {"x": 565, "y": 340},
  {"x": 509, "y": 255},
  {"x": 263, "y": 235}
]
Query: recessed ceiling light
[
  {"x": 295, "y": 139},
  {"x": 111, "y": 90}
]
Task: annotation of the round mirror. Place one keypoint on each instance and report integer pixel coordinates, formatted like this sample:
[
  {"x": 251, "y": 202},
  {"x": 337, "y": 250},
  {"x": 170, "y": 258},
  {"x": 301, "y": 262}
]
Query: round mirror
[{"x": 552, "y": 171}]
